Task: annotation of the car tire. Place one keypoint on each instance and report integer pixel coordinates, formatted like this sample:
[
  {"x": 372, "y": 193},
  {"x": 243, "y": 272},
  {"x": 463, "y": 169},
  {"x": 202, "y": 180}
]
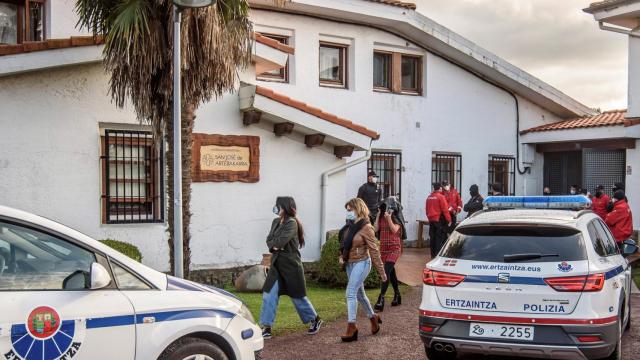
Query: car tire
[
  {"x": 439, "y": 355},
  {"x": 191, "y": 349},
  {"x": 627, "y": 327}
]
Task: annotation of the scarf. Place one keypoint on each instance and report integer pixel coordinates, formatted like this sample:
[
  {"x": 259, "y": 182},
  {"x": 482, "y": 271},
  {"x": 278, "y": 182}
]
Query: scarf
[{"x": 351, "y": 231}]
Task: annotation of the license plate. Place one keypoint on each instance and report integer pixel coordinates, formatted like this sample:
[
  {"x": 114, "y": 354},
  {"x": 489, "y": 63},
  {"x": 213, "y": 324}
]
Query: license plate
[{"x": 500, "y": 331}]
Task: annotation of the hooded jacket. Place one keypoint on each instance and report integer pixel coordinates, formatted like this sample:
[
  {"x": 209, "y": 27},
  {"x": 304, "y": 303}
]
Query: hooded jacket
[{"x": 620, "y": 221}]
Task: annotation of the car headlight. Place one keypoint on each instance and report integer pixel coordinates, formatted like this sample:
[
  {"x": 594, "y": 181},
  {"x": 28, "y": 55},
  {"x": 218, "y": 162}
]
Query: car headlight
[{"x": 246, "y": 313}]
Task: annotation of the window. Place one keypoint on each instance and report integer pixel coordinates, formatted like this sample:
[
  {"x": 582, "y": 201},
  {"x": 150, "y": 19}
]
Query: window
[
  {"x": 410, "y": 74},
  {"x": 333, "y": 63},
  {"x": 388, "y": 167},
  {"x": 596, "y": 240},
  {"x": 33, "y": 260},
  {"x": 22, "y": 20},
  {"x": 280, "y": 75},
  {"x": 132, "y": 179},
  {"x": 126, "y": 280},
  {"x": 382, "y": 71},
  {"x": 608, "y": 240},
  {"x": 447, "y": 167},
  {"x": 502, "y": 173}
]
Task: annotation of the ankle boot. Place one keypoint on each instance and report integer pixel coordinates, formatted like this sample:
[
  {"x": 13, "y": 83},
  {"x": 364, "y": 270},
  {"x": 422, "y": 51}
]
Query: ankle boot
[
  {"x": 397, "y": 300},
  {"x": 379, "y": 306},
  {"x": 375, "y": 324},
  {"x": 351, "y": 334}
]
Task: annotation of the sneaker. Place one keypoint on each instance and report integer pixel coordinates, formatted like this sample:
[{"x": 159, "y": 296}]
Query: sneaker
[
  {"x": 315, "y": 326},
  {"x": 266, "y": 333}
]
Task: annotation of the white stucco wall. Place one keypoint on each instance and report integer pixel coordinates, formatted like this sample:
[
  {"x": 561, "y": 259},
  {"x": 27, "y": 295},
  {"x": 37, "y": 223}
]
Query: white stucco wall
[
  {"x": 634, "y": 76},
  {"x": 62, "y": 19},
  {"x": 458, "y": 112}
]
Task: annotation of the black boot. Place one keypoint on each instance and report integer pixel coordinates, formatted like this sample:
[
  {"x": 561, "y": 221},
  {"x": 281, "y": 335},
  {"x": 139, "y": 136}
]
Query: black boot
[
  {"x": 379, "y": 306},
  {"x": 397, "y": 300}
]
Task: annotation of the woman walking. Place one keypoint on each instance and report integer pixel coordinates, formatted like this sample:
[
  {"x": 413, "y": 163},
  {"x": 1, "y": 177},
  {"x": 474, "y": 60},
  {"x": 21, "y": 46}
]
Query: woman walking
[
  {"x": 390, "y": 229},
  {"x": 359, "y": 248},
  {"x": 286, "y": 275}
]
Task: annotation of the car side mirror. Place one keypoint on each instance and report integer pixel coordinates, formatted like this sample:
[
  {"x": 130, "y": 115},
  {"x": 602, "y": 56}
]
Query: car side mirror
[
  {"x": 629, "y": 247},
  {"x": 100, "y": 277}
]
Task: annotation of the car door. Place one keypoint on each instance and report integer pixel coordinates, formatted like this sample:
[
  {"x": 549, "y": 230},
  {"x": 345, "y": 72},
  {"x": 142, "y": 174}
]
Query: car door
[
  {"x": 622, "y": 270},
  {"x": 48, "y": 309}
]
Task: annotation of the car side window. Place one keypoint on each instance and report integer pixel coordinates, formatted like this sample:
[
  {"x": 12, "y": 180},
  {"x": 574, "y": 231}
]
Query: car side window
[
  {"x": 597, "y": 240},
  {"x": 34, "y": 260},
  {"x": 607, "y": 238},
  {"x": 126, "y": 280}
]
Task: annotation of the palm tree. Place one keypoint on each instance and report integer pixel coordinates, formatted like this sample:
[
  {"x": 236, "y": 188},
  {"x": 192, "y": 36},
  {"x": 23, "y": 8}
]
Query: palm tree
[{"x": 138, "y": 34}]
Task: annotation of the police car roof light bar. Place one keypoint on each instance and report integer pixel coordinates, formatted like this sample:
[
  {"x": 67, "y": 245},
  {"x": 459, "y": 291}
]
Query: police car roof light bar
[{"x": 569, "y": 202}]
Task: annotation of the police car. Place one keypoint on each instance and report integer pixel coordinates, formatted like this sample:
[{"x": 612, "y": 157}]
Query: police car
[
  {"x": 529, "y": 276},
  {"x": 66, "y": 296}
]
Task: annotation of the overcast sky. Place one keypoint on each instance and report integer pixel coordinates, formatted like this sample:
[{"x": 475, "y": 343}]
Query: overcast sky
[{"x": 551, "y": 39}]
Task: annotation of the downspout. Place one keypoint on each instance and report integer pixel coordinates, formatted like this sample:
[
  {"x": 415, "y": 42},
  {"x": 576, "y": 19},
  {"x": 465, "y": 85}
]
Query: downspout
[
  {"x": 635, "y": 32},
  {"x": 325, "y": 184}
]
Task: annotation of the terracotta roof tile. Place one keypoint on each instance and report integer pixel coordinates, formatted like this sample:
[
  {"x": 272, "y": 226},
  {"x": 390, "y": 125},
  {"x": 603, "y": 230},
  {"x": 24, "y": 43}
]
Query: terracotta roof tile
[
  {"x": 397, "y": 3},
  {"x": 32, "y": 46},
  {"x": 607, "y": 118},
  {"x": 273, "y": 43},
  {"x": 334, "y": 119}
]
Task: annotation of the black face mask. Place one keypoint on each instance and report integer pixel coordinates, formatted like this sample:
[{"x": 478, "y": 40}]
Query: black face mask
[{"x": 598, "y": 194}]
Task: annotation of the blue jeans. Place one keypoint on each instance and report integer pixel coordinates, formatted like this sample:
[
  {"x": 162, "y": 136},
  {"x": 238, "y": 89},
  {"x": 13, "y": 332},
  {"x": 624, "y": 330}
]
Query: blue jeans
[
  {"x": 270, "y": 304},
  {"x": 357, "y": 273}
]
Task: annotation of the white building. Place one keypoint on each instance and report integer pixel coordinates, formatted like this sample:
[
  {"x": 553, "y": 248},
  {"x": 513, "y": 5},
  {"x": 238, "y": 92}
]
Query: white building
[{"x": 428, "y": 104}]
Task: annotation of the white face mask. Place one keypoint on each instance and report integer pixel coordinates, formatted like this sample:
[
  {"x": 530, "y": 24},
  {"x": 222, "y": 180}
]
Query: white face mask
[
  {"x": 573, "y": 192},
  {"x": 374, "y": 180},
  {"x": 276, "y": 210},
  {"x": 351, "y": 216},
  {"x": 447, "y": 188}
]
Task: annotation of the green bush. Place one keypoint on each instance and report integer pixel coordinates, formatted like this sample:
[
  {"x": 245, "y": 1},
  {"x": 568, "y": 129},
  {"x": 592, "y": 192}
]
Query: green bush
[
  {"x": 329, "y": 270},
  {"x": 130, "y": 250}
]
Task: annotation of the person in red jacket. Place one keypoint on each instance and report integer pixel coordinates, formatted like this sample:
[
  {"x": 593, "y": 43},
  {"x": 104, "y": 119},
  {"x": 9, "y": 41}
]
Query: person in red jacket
[
  {"x": 599, "y": 202},
  {"x": 439, "y": 218},
  {"x": 455, "y": 203},
  {"x": 620, "y": 220}
]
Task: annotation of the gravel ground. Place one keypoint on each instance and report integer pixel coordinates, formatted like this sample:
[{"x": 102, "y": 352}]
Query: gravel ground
[{"x": 398, "y": 339}]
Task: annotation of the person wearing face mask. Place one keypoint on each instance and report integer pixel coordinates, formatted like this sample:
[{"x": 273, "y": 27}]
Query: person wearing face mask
[
  {"x": 358, "y": 249},
  {"x": 286, "y": 274},
  {"x": 600, "y": 202},
  {"x": 546, "y": 191},
  {"x": 616, "y": 186},
  {"x": 620, "y": 219},
  {"x": 475, "y": 204},
  {"x": 573, "y": 190},
  {"x": 455, "y": 203},
  {"x": 389, "y": 225},
  {"x": 371, "y": 195},
  {"x": 439, "y": 218}
]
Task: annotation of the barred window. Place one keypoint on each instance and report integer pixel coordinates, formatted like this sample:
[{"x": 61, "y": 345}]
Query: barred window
[
  {"x": 447, "y": 166},
  {"x": 388, "y": 167},
  {"x": 132, "y": 178},
  {"x": 502, "y": 173}
]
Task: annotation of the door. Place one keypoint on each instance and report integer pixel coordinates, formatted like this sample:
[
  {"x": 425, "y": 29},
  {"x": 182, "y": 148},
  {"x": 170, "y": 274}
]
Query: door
[
  {"x": 46, "y": 312},
  {"x": 603, "y": 167},
  {"x": 561, "y": 170}
]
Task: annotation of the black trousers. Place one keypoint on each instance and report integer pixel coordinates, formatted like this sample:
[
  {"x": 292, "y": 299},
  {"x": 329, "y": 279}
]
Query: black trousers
[
  {"x": 454, "y": 223},
  {"x": 437, "y": 237},
  {"x": 390, "y": 270}
]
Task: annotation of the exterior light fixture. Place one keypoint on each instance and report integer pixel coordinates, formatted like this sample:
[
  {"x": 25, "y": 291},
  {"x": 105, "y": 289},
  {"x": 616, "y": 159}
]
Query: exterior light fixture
[{"x": 183, "y": 4}]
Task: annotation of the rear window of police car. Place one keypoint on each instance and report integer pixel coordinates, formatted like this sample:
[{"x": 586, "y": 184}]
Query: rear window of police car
[{"x": 492, "y": 243}]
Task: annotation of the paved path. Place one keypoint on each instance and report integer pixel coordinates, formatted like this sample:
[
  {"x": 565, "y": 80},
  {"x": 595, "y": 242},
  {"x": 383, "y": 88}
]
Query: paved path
[
  {"x": 397, "y": 340},
  {"x": 410, "y": 265}
]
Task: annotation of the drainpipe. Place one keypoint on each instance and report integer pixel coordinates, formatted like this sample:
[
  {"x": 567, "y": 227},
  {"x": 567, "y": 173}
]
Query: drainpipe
[
  {"x": 635, "y": 32},
  {"x": 325, "y": 184}
]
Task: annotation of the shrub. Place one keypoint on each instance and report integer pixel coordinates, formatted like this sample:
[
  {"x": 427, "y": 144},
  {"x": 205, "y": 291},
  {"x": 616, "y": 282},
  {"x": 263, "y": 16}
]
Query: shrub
[
  {"x": 329, "y": 270},
  {"x": 128, "y": 249}
]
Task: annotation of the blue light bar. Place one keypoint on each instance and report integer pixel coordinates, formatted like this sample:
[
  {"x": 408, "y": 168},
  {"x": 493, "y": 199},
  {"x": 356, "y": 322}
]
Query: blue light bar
[{"x": 569, "y": 202}]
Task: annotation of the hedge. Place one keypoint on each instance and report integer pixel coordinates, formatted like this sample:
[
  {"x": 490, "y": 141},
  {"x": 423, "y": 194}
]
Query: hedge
[
  {"x": 128, "y": 249},
  {"x": 329, "y": 270}
]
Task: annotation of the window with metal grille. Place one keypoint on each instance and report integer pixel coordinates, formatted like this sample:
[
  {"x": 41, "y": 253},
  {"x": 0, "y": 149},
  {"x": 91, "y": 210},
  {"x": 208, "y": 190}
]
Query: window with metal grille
[
  {"x": 603, "y": 167},
  {"x": 132, "y": 178},
  {"x": 502, "y": 173},
  {"x": 447, "y": 166},
  {"x": 388, "y": 167}
]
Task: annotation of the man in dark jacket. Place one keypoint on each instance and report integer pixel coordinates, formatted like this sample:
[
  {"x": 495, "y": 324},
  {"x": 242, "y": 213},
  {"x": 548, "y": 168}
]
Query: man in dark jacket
[
  {"x": 439, "y": 218},
  {"x": 475, "y": 203},
  {"x": 370, "y": 193}
]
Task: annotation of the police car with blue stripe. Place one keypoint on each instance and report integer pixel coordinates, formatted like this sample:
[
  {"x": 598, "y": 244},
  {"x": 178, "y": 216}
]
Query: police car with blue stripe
[
  {"x": 537, "y": 277},
  {"x": 66, "y": 296}
]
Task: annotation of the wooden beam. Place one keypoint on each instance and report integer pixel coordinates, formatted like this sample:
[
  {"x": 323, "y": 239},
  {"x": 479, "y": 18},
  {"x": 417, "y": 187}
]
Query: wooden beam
[
  {"x": 608, "y": 144},
  {"x": 314, "y": 140},
  {"x": 343, "y": 151},
  {"x": 281, "y": 129},
  {"x": 251, "y": 117}
]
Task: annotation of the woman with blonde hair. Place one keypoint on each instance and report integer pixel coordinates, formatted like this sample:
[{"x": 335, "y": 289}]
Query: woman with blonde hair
[{"x": 358, "y": 248}]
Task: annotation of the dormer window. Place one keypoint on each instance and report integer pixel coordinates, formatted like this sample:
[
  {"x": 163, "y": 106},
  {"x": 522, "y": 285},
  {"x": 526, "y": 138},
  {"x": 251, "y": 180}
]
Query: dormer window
[{"x": 22, "y": 20}]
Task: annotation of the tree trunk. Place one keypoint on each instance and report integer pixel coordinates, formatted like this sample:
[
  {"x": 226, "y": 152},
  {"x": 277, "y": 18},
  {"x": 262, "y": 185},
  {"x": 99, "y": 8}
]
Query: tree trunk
[{"x": 188, "y": 119}]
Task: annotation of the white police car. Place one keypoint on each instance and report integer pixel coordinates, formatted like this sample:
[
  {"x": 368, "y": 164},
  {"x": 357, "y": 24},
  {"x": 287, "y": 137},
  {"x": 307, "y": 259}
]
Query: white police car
[
  {"x": 66, "y": 296},
  {"x": 528, "y": 280}
]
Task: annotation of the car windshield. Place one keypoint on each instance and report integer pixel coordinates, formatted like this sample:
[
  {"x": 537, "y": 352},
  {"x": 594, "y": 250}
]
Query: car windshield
[{"x": 528, "y": 243}]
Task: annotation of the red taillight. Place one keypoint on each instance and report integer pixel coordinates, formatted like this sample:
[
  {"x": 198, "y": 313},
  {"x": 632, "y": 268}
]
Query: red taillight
[
  {"x": 594, "y": 282},
  {"x": 425, "y": 328},
  {"x": 589, "y": 339},
  {"x": 439, "y": 278}
]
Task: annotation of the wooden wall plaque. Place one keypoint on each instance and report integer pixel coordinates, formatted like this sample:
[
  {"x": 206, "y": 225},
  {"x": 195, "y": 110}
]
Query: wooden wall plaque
[{"x": 226, "y": 158}]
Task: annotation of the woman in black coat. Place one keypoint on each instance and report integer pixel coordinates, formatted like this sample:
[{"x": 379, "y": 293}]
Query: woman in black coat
[{"x": 286, "y": 274}]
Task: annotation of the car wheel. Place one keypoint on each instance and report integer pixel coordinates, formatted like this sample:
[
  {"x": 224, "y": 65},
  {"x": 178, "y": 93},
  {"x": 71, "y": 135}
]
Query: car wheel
[
  {"x": 438, "y": 355},
  {"x": 193, "y": 349},
  {"x": 628, "y": 325}
]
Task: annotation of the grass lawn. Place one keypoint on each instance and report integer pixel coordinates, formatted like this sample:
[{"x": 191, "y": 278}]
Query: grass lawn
[
  {"x": 636, "y": 274},
  {"x": 330, "y": 303}
]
